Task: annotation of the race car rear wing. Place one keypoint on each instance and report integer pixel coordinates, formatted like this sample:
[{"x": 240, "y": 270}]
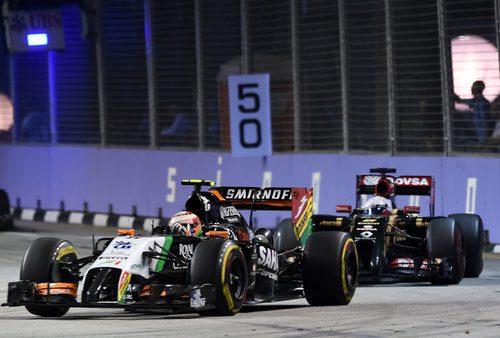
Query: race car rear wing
[
  {"x": 403, "y": 185},
  {"x": 298, "y": 200},
  {"x": 257, "y": 198}
]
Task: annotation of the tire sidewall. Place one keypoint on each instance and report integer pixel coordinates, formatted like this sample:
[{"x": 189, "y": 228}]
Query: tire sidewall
[
  {"x": 329, "y": 257},
  {"x": 472, "y": 229},
  {"x": 40, "y": 264},
  {"x": 211, "y": 264},
  {"x": 444, "y": 239},
  {"x": 230, "y": 257}
]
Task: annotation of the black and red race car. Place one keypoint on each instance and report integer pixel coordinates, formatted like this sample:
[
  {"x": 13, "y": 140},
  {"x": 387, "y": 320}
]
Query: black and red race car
[
  {"x": 399, "y": 244},
  {"x": 208, "y": 259}
]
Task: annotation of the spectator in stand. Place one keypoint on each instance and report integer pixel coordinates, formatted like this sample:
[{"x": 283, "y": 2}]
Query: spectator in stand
[
  {"x": 493, "y": 142},
  {"x": 480, "y": 107}
]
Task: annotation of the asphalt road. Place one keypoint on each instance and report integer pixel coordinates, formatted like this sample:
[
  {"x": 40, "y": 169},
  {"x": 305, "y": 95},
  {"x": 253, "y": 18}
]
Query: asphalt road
[{"x": 470, "y": 309}]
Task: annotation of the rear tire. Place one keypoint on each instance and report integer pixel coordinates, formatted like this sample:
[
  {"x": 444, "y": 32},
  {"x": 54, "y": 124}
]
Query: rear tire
[
  {"x": 473, "y": 237},
  {"x": 40, "y": 264},
  {"x": 444, "y": 239},
  {"x": 221, "y": 263},
  {"x": 330, "y": 268}
]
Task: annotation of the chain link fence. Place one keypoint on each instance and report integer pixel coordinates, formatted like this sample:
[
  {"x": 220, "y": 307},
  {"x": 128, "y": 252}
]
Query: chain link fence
[{"x": 366, "y": 76}]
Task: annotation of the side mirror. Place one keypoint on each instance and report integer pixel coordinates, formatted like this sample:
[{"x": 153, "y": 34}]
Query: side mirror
[
  {"x": 411, "y": 209},
  {"x": 344, "y": 208}
]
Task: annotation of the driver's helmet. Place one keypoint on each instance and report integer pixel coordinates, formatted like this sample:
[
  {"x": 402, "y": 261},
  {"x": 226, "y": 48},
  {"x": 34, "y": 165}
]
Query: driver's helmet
[
  {"x": 185, "y": 223},
  {"x": 377, "y": 205},
  {"x": 378, "y": 209}
]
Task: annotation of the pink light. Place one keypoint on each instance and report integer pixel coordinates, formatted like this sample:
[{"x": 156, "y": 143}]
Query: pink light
[
  {"x": 474, "y": 58},
  {"x": 6, "y": 113}
]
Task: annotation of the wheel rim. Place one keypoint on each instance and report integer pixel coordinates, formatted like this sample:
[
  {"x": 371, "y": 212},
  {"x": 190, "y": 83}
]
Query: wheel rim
[{"x": 236, "y": 279}]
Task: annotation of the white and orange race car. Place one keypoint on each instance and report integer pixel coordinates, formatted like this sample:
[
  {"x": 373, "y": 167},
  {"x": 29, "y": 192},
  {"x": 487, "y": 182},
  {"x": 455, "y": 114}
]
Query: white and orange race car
[{"x": 207, "y": 259}]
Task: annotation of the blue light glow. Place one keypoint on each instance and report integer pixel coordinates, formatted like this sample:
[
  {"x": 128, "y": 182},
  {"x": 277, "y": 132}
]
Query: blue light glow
[{"x": 39, "y": 39}]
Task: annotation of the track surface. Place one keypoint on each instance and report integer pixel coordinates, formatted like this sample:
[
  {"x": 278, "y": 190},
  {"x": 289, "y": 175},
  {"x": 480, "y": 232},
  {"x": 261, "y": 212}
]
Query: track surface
[{"x": 470, "y": 309}]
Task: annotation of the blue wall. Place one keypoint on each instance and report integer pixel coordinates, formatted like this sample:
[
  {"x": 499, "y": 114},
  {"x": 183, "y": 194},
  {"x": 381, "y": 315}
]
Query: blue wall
[{"x": 150, "y": 179}]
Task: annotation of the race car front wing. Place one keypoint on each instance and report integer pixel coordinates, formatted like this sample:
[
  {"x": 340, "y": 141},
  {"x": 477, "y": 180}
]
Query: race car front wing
[{"x": 172, "y": 298}]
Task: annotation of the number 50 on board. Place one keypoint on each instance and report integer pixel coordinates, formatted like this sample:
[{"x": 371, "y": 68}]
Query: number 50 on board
[{"x": 250, "y": 115}]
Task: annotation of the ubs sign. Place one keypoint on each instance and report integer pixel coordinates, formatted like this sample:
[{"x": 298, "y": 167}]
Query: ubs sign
[{"x": 33, "y": 30}]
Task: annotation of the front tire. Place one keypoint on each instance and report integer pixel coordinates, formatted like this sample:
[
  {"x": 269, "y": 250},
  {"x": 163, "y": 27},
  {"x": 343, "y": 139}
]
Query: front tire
[
  {"x": 41, "y": 264},
  {"x": 221, "y": 263},
  {"x": 444, "y": 239},
  {"x": 330, "y": 268},
  {"x": 473, "y": 237}
]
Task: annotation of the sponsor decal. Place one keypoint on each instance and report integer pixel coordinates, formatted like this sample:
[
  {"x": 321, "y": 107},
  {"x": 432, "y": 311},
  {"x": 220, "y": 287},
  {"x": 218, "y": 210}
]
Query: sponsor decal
[
  {"x": 336, "y": 223},
  {"x": 280, "y": 194},
  {"x": 226, "y": 212},
  {"x": 196, "y": 300},
  {"x": 186, "y": 250},
  {"x": 369, "y": 222},
  {"x": 122, "y": 285},
  {"x": 373, "y": 179},
  {"x": 269, "y": 274},
  {"x": 113, "y": 258},
  {"x": 367, "y": 228},
  {"x": 268, "y": 258},
  {"x": 233, "y": 219},
  {"x": 343, "y": 208},
  {"x": 413, "y": 181},
  {"x": 122, "y": 245},
  {"x": 302, "y": 207},
  {"x": 366, "y": 234}
]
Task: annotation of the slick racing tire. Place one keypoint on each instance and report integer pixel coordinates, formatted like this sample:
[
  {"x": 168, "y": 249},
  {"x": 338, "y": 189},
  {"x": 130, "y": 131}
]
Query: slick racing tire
[
  {"x": 284, "y": 237},
  {"x": 41, "y": 263},
  {"x": 5, "y": 218},
  {"x": 444, "y": 239},
  {"x": 330, "y": 268},
  {"x": 473, "y": 238},
  {"x": 221, "y": 263}
]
